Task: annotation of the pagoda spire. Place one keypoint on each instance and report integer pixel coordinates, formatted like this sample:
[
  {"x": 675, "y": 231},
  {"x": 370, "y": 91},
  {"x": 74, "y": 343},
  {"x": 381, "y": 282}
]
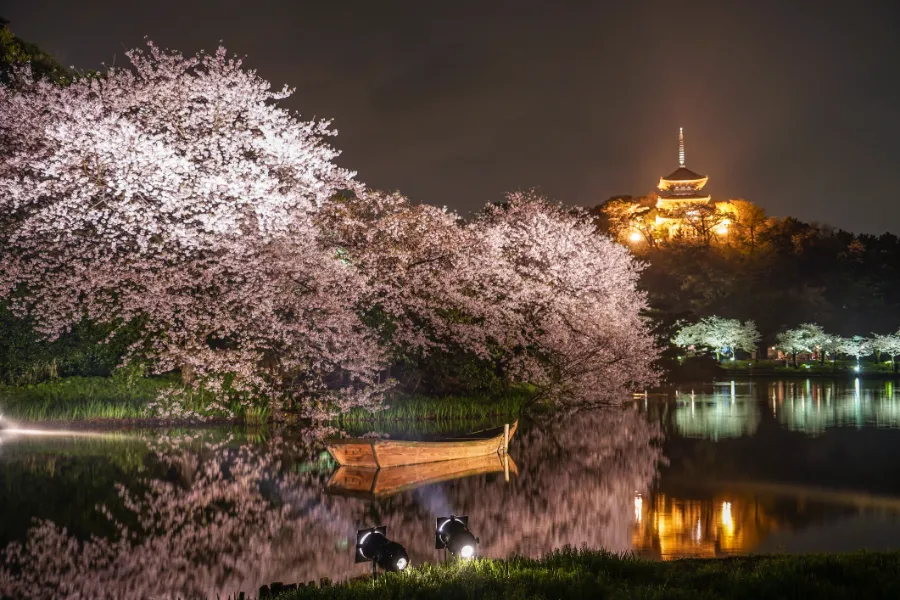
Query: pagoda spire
[{"x": 680, "y": 147}]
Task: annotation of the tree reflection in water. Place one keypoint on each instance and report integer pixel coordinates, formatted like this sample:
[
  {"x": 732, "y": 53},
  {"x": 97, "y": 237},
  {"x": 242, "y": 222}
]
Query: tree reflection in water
[
  {"x": 229, "y": 517},
  {"x": 734, "y": 409}
]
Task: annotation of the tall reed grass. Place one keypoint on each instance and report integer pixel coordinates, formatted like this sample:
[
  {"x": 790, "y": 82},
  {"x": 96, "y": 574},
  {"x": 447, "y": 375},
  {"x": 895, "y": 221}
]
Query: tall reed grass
[
  {"x": 401, "y": 407},
  {"x": 79, "y": 398}
]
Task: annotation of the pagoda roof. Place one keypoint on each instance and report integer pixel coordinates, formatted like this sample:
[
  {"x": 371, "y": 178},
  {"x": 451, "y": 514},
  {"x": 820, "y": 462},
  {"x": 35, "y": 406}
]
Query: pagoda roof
[
  {"x": 686, "y": 197},
  {"x": 683, "y": 174}
]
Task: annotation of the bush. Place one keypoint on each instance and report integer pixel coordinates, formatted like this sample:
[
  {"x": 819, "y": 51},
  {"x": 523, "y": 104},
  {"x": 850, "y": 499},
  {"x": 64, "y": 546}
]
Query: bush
[{"x": 87, "y": 350}]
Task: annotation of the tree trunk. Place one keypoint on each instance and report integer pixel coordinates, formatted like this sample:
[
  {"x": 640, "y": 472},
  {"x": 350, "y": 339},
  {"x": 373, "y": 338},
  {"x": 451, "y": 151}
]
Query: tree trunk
[
  {"x": 187, "y": 374},
  {"x": 794, "y": 359}
]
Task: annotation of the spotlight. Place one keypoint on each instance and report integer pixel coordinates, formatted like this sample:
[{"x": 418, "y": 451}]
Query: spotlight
[
  {"x": 373, "y": 545},
  {"x": 452, "y": 533}
]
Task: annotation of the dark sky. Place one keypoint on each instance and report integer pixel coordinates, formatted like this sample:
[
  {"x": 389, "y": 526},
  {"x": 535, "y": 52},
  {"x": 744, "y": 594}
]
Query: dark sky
[{"x": 794, "y": 105}]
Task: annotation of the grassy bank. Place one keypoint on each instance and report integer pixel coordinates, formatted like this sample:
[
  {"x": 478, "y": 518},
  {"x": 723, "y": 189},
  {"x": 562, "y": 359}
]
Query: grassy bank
[
  {"x": 708, "y": 369},
  {"x": 80, "y": 399},
  {"x": 403, "y": 407},
  {"x": 839, "y": 368},
  {"x": 592, "y": 574},
  {"x": 119, "y": 398}
]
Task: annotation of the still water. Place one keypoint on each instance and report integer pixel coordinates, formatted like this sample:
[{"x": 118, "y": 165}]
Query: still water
[{"x": 706, "y": 470}]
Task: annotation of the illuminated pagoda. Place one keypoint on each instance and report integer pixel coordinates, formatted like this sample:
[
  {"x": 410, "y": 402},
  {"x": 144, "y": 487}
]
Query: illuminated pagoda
[{"x": 680, "y": 190}]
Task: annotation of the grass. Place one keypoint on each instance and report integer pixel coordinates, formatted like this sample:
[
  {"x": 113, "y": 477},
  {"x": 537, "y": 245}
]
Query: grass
[
  {"x": 597, "y": 574},
  {"x": 80, "y": 398},
  {"x": 93, "y": 398},
  {"x": 809, "y": 367},
  {"x": 402, "y": 407}
]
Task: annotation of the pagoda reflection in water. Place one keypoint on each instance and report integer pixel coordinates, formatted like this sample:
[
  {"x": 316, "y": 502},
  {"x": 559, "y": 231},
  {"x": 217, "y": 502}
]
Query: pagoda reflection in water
[
  {"x": 667, "y": 527},
  {"x": 765, "y": 463}
]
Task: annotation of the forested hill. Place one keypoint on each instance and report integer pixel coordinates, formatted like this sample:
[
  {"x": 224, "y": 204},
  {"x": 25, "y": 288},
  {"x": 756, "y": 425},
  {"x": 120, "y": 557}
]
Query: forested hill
[{"x": 777, "y": 272}]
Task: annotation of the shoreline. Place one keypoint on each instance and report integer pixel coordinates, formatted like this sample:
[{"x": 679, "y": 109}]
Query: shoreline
[
  {"x": 570, "y": 573},
  {"x": 111, "y": 424}
]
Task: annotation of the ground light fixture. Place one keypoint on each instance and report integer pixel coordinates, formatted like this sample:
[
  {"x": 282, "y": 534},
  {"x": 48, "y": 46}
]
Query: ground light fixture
[
  {"x": 452, "y": 534},
  {"x": 373, "y": 545}
]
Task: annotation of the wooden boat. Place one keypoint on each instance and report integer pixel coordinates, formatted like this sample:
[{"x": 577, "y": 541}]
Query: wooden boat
[
  {"x": 371, "y": 483},
  {"x": 376, "y": 454}
]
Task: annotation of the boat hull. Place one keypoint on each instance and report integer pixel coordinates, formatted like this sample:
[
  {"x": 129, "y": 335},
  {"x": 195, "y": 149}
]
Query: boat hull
[
  {"x": 375, "y": 454},
  {"x": 366, "y": 482}
]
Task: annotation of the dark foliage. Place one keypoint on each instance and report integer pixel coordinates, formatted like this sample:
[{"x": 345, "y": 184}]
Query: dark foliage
[
  {"x": 16, "y": 52},
  {"x": 797, "y": 273}
]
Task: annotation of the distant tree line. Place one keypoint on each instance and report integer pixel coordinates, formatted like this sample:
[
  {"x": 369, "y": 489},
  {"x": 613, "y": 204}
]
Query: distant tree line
[{"x": 724, "y": 337}]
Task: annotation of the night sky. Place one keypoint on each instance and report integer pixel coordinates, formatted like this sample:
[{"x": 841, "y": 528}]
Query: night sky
[{"x": 793, "y": 105}]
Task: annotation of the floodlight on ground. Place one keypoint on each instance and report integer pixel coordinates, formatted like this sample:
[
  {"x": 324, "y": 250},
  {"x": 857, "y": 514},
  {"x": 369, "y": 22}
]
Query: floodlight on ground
[
  {"x": 452, "y": 533},
  {"x": 373, "y": 545}
]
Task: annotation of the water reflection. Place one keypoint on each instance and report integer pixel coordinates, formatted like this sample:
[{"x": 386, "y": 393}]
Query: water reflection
[
  {"x": 755, "y": 467},
  {"x": 758, "y": 518},
  {"x": 213, "y": 512},
  {"x": 734, "y": 409},
  {"x": 814, "y": 406},
  {"x": 676, "y": 528}
]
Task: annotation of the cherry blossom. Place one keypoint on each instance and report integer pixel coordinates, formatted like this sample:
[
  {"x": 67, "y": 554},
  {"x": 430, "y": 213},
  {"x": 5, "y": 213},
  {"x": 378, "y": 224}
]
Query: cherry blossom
[
  {"x": 179, "y": 194},
  {"x": 526, "y": 284}
]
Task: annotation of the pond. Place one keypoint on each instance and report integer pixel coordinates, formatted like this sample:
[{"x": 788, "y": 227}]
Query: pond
[{"x": 703, "y": 470}]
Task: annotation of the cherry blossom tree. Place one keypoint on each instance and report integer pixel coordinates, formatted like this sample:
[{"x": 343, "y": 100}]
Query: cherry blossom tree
[
  {"x": 178, "y": 194},
  {"x": 526, "y": 285},
  {"x": 719, "y": 335},
  {"x": 888, "y": 344},
  {"x": 808, "y": 337},
  {"x": 573, "y": 314},
  {"x": 857, "y": 347}
]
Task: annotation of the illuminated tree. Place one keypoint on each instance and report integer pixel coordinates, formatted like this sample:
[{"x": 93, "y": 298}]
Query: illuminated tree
[
  {"x": 888, "y": 344},
  {"x": 584, "y": 336},
  {"x": 805, "y": 338},
  {"x": 830, "y": 345},
  {"x": 748, "y": 220},
  {"x": 177, "y": 194},
  {"x": 722, "y": 336},
  {"x": 701, "y": 223},
  {"x": 857, "y": 347},
  {"x": 631, "y": 221},
  {"x": 527, "y": 285}
]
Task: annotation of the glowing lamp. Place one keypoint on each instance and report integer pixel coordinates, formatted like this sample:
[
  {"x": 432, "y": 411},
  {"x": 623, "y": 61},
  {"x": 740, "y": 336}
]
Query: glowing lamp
[
  {"x": 452, "y": 533},
  {"x": 373, "y": 545},
  {"x": 634, "y": 237}
]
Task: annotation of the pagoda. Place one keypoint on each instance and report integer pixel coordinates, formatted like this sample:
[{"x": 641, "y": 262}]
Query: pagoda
[{"x": 680, "y": 189}]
